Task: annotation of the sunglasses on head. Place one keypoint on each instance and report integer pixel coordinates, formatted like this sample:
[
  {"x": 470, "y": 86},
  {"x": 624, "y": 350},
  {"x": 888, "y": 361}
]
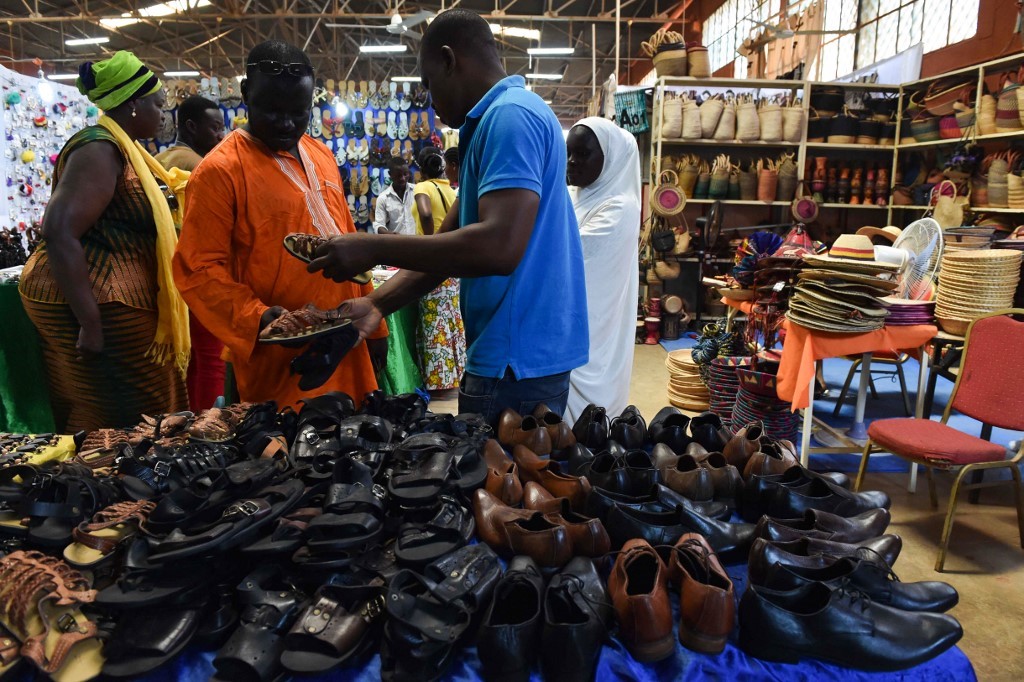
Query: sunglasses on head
[{"x": 273, "y": 68}]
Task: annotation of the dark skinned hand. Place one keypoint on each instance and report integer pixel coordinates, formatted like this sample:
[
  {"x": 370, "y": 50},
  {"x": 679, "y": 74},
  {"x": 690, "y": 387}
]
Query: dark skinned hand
[
  {"x": 90, "y": 342},
  {"x": 271, "y": 314},
  {"x": 342, "y": 258}
]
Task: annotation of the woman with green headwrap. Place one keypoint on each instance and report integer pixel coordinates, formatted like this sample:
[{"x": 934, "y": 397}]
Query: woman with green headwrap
[{"x": 99, "y": 287}]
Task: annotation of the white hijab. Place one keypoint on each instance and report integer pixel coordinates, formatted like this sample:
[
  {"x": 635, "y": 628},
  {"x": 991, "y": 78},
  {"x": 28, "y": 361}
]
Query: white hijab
[{"x": 619, "y": 181}]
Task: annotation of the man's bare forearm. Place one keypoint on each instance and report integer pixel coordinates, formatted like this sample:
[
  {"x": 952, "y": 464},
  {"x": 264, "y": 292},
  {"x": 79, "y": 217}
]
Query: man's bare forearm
[
  {"x": 403, "y": 288},
  {"x": 469, "y": 252}
]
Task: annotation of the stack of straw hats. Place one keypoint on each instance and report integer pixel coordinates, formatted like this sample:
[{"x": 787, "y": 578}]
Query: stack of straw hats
[
  {"x": 842, "y": 292},
  {"x": 973, "y": 283},
  {"x": 686, "y": 390}
]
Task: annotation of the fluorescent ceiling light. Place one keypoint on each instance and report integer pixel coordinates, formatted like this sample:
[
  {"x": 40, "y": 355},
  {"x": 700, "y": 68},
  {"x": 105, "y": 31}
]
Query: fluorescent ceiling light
[
  {"x": 545, "y": 76},
  {"x": 406, "y": 79},
  {"x": 87, "y": 41},
  {"x": 547, "y": 101},
  {"x": 378, "y": 49},
  {"x": 162, "y": 9},
  {"x": 548, "y": 51},
  {"x": 62, "y": 76},
  {"x": 181, "y": 74},
  {"x": 515, "y": 32}
]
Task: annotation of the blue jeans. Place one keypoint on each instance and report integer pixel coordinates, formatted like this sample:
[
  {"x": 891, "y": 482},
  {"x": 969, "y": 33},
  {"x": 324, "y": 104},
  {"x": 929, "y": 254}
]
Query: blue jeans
[{"x": 489, "y": 396}]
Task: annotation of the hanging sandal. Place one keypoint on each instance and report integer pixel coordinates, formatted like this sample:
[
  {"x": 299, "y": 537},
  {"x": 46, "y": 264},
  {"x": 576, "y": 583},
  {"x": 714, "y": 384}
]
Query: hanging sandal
[{"x": 109, "y": 529}]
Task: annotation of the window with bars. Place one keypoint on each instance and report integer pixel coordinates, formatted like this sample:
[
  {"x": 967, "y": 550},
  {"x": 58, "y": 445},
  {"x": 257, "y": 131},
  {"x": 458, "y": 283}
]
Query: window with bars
[{"x": 879, "y": 29}]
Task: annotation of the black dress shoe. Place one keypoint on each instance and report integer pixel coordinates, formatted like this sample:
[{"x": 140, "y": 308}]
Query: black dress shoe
[
  {"x": 606, "y": 471},
  {"x": 600, "y": 502},
  {"x": 872, "y": 579},
  {"x": 510, "y": 633},
  {"x": 591, "y": 429},
  {"x": 669, "y": 426},
  {"x": 808, "y": 553},
  {"x": 579, "y": 457},
  {"x": 800, "y": 489},
  {"x": 577, "y": 615},
  {"x": 844, "y": 628},
  {"x": 731, "y": 541},
  {"x": 629, "y": 429},
  {"x": 671, "y": 499},
  {"x": 825, "y": 526},
  {"x": 708, "y": 430},
  {"x": 641, "y": 474}
]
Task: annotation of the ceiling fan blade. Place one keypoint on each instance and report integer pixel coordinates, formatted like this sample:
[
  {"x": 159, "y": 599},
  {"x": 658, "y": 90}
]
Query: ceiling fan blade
[
  {"x": 417, "y": 18},
  {"x": 370, "y": 26},
  {"x": 413, "y": 34}
]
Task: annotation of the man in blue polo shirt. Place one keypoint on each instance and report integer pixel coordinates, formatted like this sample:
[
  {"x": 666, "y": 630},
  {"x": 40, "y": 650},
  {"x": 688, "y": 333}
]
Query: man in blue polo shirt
[{"x": 511, "y": 236}]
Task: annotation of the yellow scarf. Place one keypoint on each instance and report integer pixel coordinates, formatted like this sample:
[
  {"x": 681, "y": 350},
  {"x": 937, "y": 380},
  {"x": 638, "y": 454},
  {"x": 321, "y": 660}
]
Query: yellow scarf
[{"x": 171, "y": 339}]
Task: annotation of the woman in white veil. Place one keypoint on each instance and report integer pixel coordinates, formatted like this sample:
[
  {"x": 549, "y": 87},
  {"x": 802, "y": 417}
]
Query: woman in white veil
[{"x": 604, "y": 166}]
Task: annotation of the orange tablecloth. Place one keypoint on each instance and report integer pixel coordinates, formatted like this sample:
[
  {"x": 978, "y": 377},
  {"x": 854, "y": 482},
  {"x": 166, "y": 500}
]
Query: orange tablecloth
[{"x": 803, "y": 347}]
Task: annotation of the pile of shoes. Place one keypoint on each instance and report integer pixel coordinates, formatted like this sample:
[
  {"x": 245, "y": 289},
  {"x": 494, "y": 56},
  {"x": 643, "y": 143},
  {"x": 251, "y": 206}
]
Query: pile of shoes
[
  {"x": 843, "y": 291},
  {"x": 298, "y": 543}
]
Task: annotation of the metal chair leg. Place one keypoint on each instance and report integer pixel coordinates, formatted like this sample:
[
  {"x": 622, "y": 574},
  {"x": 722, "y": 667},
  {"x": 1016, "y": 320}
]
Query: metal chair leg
[
  {"x": 871, "y": 385},
  {"x": 947, "y": 526},
  {"x": 1019, "y": 500},
  {"x": 863, "y": 466},
  {"x": 903, "y": 388},
  {"x": 974, "y": 497},
  {"x": 846, "y": 387},
  {"x": 931, "y": 488}
]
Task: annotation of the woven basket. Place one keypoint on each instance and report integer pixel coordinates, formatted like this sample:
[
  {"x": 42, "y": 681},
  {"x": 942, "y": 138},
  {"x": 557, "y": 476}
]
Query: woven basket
[
  {"x": 924, "y": 128},
  {"x": 710, "y": 112},
  {"x": 748, "y": 185},
  {"x": 792, "y": 123},
  {"x": 748, "y": 123},
  {"x": 1008, "y": 106},
  {"x": 965, "y": 120},
  {"x": 670, "y": 62},
  {"x": 688, "y": 179},
  {"x": 700, "y": 65},
  {"x": 949, "y": 129},
  {"x": 767, "y": 183},
  {"x": 987, "y": 115},
  {"x": 785, "y": 188},
  {"x": 719, "y": 187},
  {"x": 667, "y": 199},
  {"x": 726, "y": 128},
  {"x": 842, "y": 139},
  {"x": 672, "y": 122},
  {"x": 771, "y": 122},
  {"x": 691, "y": 120},
  {"x": 700, "y": 190},
  {"x": 666, "y": 270}
]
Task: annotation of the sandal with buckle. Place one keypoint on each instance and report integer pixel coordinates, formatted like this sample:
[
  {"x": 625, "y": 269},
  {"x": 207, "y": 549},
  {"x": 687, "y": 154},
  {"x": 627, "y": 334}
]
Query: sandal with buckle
[
  {"x": 144, "y": 584},
  {"x": 450, "y": 528},
  {"x": 304, "y": 324},
  {"x": 303, "y": 246},
  {"x": 109, "y": 529}
]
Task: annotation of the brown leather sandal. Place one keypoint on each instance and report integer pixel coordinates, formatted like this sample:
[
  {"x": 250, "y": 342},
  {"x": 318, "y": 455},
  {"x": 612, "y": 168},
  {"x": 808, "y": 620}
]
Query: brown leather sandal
[
  {"x": 304, "y": 324},
  {"x": 303, "y": 246},
  {"x": 40, "y": 598},
  {"x": 109, "y": 529}
]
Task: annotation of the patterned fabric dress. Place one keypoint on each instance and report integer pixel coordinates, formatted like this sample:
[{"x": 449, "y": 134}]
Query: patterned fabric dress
[
  {"x": 120, "y": 253},
  {"x": 441, "y": 337}
]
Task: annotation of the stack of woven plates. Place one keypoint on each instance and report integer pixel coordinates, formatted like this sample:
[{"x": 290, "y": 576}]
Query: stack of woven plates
[
  {"x": 723, "y": 383},
  {"x": 686, "y": 390},
  {"x": 904, "y": 312},
  {"x": 973, "y": 283}
]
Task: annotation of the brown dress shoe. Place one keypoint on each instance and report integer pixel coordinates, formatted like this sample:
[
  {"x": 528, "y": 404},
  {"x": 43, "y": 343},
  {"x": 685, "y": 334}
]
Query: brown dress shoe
[
  {"x": 516, "y": 430},
  {"x": 502, "y": 475},
  {"x": 560, "y": 433},
  {"x": 688, "y": 478},
  {"x": 725, "y": 478},
  {"x": 743, "y": 445},
  {"x": 639, "y": 592},
  {"x": 588, "y": 535},
  {"x": 707, "y": 608},
  {"x": 772, "y": 458},
  {"x": 549, "y": 475},
  {"x": 511, "y": 531}
]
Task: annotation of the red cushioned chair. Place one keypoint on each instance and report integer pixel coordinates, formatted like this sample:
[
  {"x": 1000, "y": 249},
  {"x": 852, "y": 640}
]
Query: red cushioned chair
[{"x": 989, "y": 388}]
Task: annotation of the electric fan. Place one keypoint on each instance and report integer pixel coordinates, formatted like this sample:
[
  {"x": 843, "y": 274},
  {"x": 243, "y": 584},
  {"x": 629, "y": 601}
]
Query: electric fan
[{"x": 922, "y": 240}]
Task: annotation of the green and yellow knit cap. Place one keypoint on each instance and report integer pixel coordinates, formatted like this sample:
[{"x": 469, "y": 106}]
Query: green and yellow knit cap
[{"x": 114, "y": 81}]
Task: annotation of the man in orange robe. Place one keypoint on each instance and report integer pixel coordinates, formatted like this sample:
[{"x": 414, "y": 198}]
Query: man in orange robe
[{"x": 261, "y": 183}]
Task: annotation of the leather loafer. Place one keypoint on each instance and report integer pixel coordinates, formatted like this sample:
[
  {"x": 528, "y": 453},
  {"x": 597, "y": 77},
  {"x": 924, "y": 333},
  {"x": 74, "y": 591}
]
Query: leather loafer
[
  {"x": 707, "y": 607},
  {"x": 670, "y": 427},
  {"x": 707, "y": 429},
  {"x": 591, "y": 428},
  {"x": 825, "y": 526},
  {"x": 512, "y": 531},
  {"x": 511, "y": 629},
  {"x": 712, "y": 509},
  {"x": 804, "y": 554},
  {"x": 502, "y": 474},
  {"x": 639, "y": 592},
  {"x": 743, "y": 445},
  {"x": 559, "y": 432},
  {"x": 688, "y": 478},
  {"x": 588, "y": 535},
  {"x": 549, "y": 475},
  {"x": 514, "y": 429},
  {"x": 770, "y": 460},
  {"x": 731, "y": 541},
  {"x": 601, "y": 502},
  {"x": 629, "y": 429},
  {"x": 872, "y": 579},
  {"x": 841, "y": 627},
  {"x": 577, "y": 615},
  {"x": 725, "y": 478}
]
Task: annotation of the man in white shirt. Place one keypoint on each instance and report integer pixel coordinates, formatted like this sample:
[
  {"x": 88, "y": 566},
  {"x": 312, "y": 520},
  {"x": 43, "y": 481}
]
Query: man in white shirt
[{"x": 394, "y": 205}]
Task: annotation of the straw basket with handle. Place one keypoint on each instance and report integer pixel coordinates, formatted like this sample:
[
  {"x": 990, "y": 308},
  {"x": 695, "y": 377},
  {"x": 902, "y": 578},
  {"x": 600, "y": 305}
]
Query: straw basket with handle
[
  {"x": 667, "y": 50},
  {"x": 667, "y": 200}
]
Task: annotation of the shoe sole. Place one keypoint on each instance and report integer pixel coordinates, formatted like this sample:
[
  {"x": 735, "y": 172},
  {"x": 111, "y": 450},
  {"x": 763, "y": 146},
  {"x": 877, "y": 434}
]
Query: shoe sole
[
  {"x": 653, "y": 651},
  {"x": 697, "y": 641}
]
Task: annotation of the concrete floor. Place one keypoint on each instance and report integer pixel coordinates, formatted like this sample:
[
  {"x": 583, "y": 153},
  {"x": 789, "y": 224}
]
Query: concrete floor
[{"x": 985, "y": 562}]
